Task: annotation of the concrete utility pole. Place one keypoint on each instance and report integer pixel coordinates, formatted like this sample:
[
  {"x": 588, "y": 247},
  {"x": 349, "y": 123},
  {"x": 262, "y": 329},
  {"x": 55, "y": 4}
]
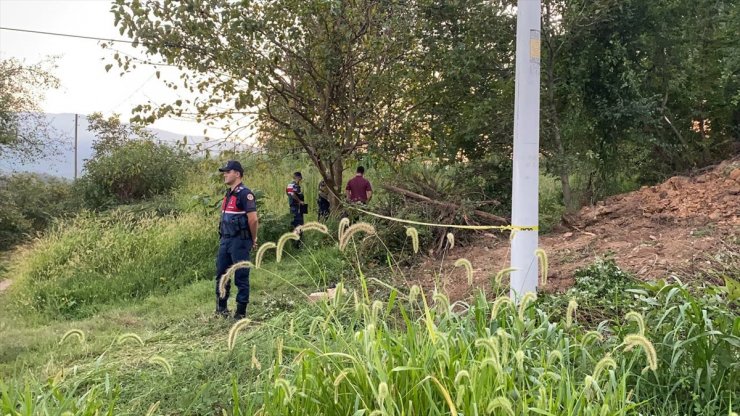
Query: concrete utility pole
[
  {"x": 525, "y": 198},
  {"x": 75, "y": 146}
]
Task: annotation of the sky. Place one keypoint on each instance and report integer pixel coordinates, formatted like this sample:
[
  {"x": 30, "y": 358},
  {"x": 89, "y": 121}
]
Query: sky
[{"x": 85, "y": 85}]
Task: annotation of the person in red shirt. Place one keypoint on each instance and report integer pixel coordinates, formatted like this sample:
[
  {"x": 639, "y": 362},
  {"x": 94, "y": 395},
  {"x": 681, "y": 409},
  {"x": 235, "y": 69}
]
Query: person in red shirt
[{"x": 358, "y": 188}]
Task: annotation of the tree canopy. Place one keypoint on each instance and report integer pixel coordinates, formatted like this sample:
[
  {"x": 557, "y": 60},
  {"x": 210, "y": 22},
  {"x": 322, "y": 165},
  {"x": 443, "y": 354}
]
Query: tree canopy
[
  {"x": 24, "y": 132},
  {"x": 631, "y": 90}
]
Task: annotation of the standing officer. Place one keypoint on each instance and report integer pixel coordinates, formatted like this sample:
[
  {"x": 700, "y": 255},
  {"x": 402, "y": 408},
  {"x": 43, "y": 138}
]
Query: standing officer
[
  {"x": 296, "y": 202},
  {"x": 238, "y": 231},
  {"x": 323, "y": 201}
]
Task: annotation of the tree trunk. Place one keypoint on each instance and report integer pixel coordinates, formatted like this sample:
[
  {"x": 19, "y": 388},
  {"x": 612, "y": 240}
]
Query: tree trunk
[{"x": 563, "y": 169}]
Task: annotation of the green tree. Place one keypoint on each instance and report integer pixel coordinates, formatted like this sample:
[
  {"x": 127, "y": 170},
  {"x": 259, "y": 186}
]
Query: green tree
[
  {"x": 328, "y": 77},
  {"x": 24, "y": 131},
  {"x": 128, "y": 164},
  {"x": 111, "y": 134}
]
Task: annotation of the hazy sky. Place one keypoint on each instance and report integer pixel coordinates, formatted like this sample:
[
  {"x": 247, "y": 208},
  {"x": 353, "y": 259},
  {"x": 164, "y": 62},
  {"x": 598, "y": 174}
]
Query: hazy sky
[{"x": 86, "y": 86}]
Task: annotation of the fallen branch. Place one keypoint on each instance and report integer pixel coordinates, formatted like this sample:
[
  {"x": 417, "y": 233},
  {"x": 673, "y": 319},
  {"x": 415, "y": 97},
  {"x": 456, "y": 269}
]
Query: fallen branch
[{"x": 487, "y": 217}]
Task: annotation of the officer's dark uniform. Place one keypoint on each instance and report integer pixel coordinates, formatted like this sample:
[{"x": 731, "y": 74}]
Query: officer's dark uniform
[
  {"x": 323, "y": 201},
  {"x": 236, "y": 242},
  {"x": 295, "y": 208}
]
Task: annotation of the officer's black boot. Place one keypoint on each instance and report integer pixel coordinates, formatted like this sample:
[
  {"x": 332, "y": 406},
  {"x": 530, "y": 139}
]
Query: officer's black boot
[
  {"x": 221, "y": 309},
  {"x": 241, "y": 310}
]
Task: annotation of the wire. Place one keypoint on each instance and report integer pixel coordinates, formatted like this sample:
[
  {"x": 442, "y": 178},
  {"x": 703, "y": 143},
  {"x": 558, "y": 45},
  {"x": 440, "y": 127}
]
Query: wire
[{"x": 65, "y": 35}]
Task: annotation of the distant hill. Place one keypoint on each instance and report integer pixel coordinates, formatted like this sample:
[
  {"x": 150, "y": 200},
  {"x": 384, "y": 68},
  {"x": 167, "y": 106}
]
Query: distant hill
[{"x": 62, "y": 164}]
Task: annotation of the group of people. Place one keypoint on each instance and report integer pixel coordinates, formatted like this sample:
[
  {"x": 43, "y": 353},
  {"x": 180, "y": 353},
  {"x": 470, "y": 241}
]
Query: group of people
[
  {"x": 358, "y": 191},
  {"x": 239, "y": 224}
]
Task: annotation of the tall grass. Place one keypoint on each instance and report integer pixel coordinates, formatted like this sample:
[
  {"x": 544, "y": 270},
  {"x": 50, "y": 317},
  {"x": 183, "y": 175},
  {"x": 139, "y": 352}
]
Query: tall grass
[
  {"x": 403, "y": 356},
  {"x": 97, "y": 260}
]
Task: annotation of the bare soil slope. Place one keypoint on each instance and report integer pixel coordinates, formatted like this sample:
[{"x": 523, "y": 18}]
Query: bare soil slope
[{"x": 684, "y": 227}]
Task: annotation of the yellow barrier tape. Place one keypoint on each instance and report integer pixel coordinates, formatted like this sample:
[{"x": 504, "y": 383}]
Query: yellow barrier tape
[{"x": 466, "y": 227}]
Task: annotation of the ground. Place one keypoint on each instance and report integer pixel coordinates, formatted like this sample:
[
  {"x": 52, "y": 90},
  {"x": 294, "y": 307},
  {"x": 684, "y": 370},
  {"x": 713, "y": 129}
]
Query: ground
[{"x": 688, "y": 227}]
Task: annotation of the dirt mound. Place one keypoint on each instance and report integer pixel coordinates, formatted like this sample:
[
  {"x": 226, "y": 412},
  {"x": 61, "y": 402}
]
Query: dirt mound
[{"x": 682, "y": 227}]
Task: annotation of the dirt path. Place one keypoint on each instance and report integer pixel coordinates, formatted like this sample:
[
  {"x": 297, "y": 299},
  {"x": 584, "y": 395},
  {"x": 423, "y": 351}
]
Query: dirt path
[
  {"x": 684, "y": 226},
  {"x": 4, "y": 284}
]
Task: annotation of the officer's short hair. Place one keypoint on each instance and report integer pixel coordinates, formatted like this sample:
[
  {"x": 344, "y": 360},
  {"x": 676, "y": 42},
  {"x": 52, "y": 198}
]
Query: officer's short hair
[
  {"x": 297, "y": 175},
  {"x": 361, "y": 169}
]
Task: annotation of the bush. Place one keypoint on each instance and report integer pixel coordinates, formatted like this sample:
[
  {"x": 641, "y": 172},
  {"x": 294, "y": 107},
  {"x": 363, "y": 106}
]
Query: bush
[
  {"x": 130, "y": 172},
  {"x": 29, "y": 203}
]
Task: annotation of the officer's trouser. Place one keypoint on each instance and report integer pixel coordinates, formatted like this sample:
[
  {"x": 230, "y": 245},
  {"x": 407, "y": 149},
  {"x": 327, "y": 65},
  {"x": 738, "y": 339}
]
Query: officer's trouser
[
  {"x": 324, "y": 207},
  {"x": 232, "y": 250},
  {"x": 297, "y": 215}
]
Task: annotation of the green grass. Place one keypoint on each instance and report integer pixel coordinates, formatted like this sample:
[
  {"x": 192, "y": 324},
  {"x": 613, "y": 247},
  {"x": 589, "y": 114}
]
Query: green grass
[{"x": 374, "y": 350}]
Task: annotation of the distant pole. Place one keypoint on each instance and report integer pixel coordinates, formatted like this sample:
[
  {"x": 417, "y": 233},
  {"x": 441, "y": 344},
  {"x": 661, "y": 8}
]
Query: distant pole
[
  {"x": 525, "y": 199},
  {"x": 76, "y": 146}
]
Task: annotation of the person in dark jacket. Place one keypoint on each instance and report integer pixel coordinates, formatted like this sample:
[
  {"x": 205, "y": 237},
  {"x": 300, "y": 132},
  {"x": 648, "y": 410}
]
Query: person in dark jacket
[{"x": 238, "y": 236}]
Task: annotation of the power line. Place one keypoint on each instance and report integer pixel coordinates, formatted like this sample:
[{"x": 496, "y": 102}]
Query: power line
[{"x": 67, "y": 35}]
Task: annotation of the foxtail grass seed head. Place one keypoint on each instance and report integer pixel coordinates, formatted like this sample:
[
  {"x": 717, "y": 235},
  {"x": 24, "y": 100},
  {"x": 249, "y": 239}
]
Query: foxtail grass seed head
[
  {"x": 358, "y": 304},
  {"x": 499, "y": 303},
  {"x": 519, "y": 357},
  {"x": 73, "y": 333},
  {"x": 554, "y": 355},
  {"x": 238, "y": 326},
  {"x": 287, "y": 388},
  {"x": 382, "y": 393},
  {"x": 152, "y": 409},
  {"x": 261, "y": 253},
  {"x": 468, "y": 269},
  {"x": 130, "y": 337},
  {"x": 226, "y": 277},
  {"x": 631, "y": 341},
  {"x": 588, "y": 336},
  {"x": 603, "y": 364},
  {"x": 542, "y": 256},
  {"x": 441, "y": 301},
  {"x": 414, "y": 293},
  {"x": 376, "y": 308},
  {"x": 414, "y": 234},
  {"x": 490, "y": 344},
  {"x": 279, "y": 343},
  {"x": 500, "y": 403},
  {"x": 460, "y": 376},
  {"x": 354, "y": 229},
  {"x": 338, "y": 293},
  {"x": 636, "y": 317},
  {"x": 337, "y": 381},
  {"x": 281, "y": 244},
  {"x": 313, "y": 226},
  {"x": 570, "y": 313},
  {"x": 501, "y": 273},
  {"x": 450, "y": 241},
  {"x": 590, "y": 388},
  {"x": 162, "y": 362},
  {"x": 256, "y": 365},
  {"x": 343, "y": 225},
  {"x": 524, "y": 303}
]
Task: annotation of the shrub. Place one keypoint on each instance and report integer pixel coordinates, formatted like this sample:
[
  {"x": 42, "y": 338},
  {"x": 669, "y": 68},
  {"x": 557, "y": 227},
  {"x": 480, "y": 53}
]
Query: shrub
[
  {"x": 29, "y": 203},
  {"x": 130, "y": 172}
]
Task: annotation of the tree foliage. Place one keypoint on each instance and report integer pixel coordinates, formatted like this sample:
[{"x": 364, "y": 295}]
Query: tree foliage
[
  {"x": 128, "y": 164},
  {"x": 24, "y": 131},
  {"x": 632, "y": 91},
  {"x": 328, "y": 77}
]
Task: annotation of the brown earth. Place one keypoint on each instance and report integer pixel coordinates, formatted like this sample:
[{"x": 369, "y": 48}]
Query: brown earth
[{"x": 685, "y": 227}]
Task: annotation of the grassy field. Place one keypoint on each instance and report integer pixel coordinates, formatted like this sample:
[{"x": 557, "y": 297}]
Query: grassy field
[{"x": 112, "y": 314}]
